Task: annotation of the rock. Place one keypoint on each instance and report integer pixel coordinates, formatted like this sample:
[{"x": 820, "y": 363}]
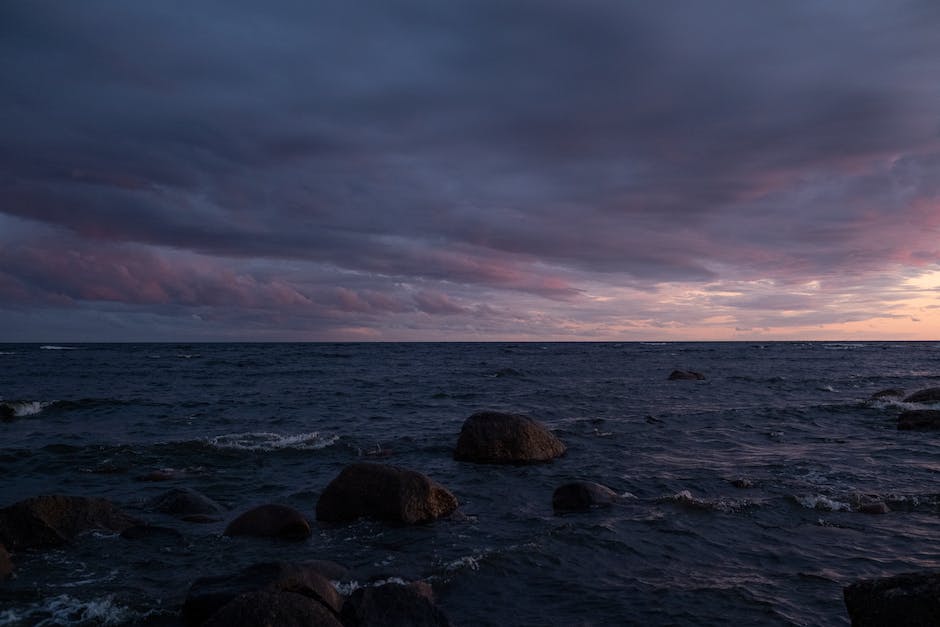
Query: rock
[
  {"x": 497, "y": 438},
  {"x": 877, "y": 507},
  {"x": 686, "y": 375},
  {"x": 382, "y": 492},
  {"x": 908, "y": 599},
  {"x": 270, "y": 521},
  {"x": 742, "y": 483},
  {"x": 919, "y": 420},
  {"x": 392, "y": 605},
  {"x": 6, "y": 564},
  {"x": 208, "y": 594},
  {"x": 183, "y": 502},
  {"x": 266, "y": 608},
  {"x": 7, "y": 413},
  {"x": 888, "y": 393},
  {"x": 152, "y": 532},
  {"x": 50, "y": 521},
  {"x": 581, "y": 496},
  {"x": 930, "y": 395}
]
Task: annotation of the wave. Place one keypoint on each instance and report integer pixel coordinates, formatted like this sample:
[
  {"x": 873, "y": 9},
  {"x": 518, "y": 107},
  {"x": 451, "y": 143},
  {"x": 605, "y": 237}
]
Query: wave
[
  {"x": 7, "y": 353},
  {"x": 720, "y": 504},
  {"x": 51, "y": 347},
  {"x": 68, "y": 610},
  {"x": 268, "y": 441},
  {"x": 822, "y": 502},
  {"x": 19, "y": 409}
]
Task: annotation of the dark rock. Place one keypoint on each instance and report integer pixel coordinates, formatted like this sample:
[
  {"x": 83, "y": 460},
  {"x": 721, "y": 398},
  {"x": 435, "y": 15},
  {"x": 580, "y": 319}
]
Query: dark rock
[
  {"x": 152, "y": 532},
  {"x": 498, "y": 438},
  {"x": 930, "y": 395},
  {"x": 686, "y": 375},
  {"x": 182, "y": 502},
  {"x": 581, "y": 496},
  {"x": 876, "y": 507},
  {"x": 888, "y": 393},
  {"x": 919, "y": 420},
  {"x": 270, "y": 521},
  {"x": 50, "y": 521},
  {"x": 6, "y": 564},
  {"x": 392, "y": 605},
  {"x": 381, "y": 492},
  {"x": 266, "y": 608},
  {"x": 910, "y": 599},
  {"x": 742, "y": 483},
  {"x": 7, "y": 412},
  {"x": 208, "y": 594}
]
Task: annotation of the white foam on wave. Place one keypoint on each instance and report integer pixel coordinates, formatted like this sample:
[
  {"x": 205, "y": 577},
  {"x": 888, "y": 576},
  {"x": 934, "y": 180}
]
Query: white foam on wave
[
  {"x": 67, "y": 610},
  {"x": 267, "y": 441},
  {"x": 346, "y": 588},
  {"x": 720, "y": 504},
  {"x": 7, "y": 353},
  {"x": 822, "y": 502},
  {"x": 27, "y": 408},
  {"x": 51, "y": 347}
]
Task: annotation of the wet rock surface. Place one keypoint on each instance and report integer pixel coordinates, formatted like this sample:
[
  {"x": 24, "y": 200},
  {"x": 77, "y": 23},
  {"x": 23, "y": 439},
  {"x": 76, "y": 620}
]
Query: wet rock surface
[{"x": 502, "y": 438}]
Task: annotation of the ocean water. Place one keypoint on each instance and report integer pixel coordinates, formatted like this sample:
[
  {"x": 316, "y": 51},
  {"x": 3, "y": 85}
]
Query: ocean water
[{"x": 252, "y": 423}]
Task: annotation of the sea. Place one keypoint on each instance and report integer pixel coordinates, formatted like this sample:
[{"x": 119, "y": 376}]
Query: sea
[{"x": 742, "y": 496}]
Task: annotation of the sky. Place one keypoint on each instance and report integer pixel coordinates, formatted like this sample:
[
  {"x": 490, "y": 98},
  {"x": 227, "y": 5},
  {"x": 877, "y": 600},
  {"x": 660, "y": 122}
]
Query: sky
[{"x": 469, "y": 170}]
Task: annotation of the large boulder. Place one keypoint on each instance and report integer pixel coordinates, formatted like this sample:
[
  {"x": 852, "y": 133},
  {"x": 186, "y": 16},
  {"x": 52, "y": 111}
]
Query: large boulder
[
  {"x": 491, "y": 437},
  {"x": 50, "y": 521},
  {"x": 185, "y": 503},
  {"x": 272, "y": 608},
  {"x": 930, "y": 395},
  {"x": 393, "y": 605},
  {"x": 209, "y": 594},
  {"x": 919, "y": 420},
  {"x": 6, "y": 564},
  {"x": 911, "y": 599},
  {"x": 382, "y": 492},
  {"x": 270, "y": 521},
  {"x": 686, "y": 375},
  {"x": 580, "y": 496}
]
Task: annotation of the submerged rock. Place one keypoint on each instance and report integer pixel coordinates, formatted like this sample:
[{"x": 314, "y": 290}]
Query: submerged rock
[
  {"x": 919, "y": 420},
  {"x": 50, "y": 521},
  {"x": 930, "y": 395},
  {"x": 888, "y": 393},
  {"x": 209, "y": 594},
  {"x": 491, "y": 437},
  {"x": 273, "y": 608},
  {"x": 184, "y": 502},
  {"x": 6, "y": 563},
  {"x": 382, "y": 492},
  {"x": 393, "y": 605},
  {"x": 270, "y": 521},
  {"x": 908, "y": 599},
  {"x": 686, "y": 375},
  {"x": 580, "y": 496}
]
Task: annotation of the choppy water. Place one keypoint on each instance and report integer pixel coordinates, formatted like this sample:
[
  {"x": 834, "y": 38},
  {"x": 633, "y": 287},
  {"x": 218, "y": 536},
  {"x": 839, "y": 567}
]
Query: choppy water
[{"x": 249, "y": 423}]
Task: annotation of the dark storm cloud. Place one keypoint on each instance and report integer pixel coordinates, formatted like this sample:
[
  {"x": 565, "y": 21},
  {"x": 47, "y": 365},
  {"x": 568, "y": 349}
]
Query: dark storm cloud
[{"x": 431, "y": 156}]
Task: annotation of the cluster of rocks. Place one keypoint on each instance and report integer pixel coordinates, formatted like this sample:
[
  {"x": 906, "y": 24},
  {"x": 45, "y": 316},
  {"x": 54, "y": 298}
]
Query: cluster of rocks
[{"x": 914, "y": 419}]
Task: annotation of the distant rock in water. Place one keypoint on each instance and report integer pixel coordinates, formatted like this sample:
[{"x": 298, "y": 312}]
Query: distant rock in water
[
  {"x": 270, "y": 521},
  {"x": 908, "y": 599},
  {"x": 6, "y": 564},
  {"x": 580, "y": 496},
  {"x": 272, "y": 608},
  {"x": 498, "y": 438},
  {"x": 888, "y": 393},
  {"x": 393, "y": 605},
  {"x": 919, "y": 420},
  {"x": 508, "y": 372},
  {"x": 6, "y": 412},
  {"x": 742, "y": 483},
  {"x": 382, "y": 492},
  {"x": 184, "y": 502},
  {"x": 51, "y": 521},
  {"x": 930, "y": 395},
  {"x": 207, "y": 595},
  {"x": 686, "y": 375}
]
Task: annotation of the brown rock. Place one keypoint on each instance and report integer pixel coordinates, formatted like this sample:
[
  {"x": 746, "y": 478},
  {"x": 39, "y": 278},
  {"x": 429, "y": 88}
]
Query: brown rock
[
  {"x": 208, "y": 594},
  {"x": 392, "y": 605},
  {"x": 6, "y": 564},
  {"x": 265, "y": 608},
  {"x": 382, "y": 492},
  {"x": 498, "y": 438},
  {"x": 908, "y": 599},
  {"x": 270, "y": 521},
  {"x": 686, "y": 375},
  {"x": 876, "y": 507},
  {"x": 49, "y": 521},
  {"x": 183, "y": 502},
  {"x": 919, "y": 420},
  {"x": 930, "y": 395},
  {"x": 580, "y": 496}
]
